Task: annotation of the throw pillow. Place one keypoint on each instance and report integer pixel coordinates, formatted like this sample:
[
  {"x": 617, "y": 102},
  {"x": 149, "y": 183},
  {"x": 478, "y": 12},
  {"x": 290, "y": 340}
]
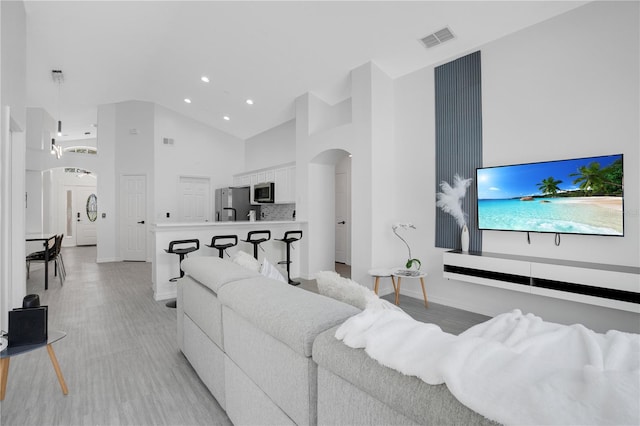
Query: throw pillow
[
  {"x": 270, "y": 271},
  {"x": 245, "y": 259},
  {"x": 333, "y": 285}
]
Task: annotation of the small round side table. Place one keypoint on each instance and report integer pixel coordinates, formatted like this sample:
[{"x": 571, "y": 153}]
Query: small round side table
[
  {"x": 400, "y": 273},
  {"x": 382, "y": 273}
]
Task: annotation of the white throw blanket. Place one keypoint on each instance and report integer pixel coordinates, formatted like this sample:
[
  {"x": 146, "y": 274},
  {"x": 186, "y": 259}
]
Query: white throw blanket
[{"x": 514, "y": 368}]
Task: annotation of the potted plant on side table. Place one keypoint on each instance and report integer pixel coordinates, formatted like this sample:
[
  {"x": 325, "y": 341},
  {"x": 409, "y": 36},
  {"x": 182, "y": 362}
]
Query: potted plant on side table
[{"x": 412, "y": 265}]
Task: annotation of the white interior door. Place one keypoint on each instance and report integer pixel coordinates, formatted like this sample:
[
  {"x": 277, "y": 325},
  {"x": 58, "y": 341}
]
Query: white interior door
[
  {"x": 133, "y": 211},
  {"x": 86, "y": 229},
  {"x": 195, "y": 199},
  {"x": 342, "y": 227}
]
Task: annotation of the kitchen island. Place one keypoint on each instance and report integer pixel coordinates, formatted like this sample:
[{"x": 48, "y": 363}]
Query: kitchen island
[{"x": 165, "y": 265}]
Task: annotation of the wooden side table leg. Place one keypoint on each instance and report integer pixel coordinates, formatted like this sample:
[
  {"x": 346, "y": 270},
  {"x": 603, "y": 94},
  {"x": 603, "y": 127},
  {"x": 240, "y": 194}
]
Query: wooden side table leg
[
  {"x": 56, "y": 367},
  {"x": 375, "y": 286},
  {"x": 398, "y": 291},
  {"x": 424, "y": 293},
  {"x": 393, "y": 281},
  {"x": 4, "y": 374}
]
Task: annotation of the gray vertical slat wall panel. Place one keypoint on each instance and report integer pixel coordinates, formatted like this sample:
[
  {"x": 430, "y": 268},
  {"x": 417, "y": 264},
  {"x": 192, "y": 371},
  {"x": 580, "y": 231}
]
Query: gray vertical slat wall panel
[{"x": 458, "y": 105}]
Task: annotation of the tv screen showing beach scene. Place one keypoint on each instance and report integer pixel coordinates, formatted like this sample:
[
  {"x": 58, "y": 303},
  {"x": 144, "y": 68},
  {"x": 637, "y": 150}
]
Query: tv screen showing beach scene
[{"x": 576, "y": 196}]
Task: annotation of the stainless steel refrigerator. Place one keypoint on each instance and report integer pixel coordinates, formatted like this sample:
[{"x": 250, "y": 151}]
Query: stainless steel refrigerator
[{"x": 233, "y": 204}]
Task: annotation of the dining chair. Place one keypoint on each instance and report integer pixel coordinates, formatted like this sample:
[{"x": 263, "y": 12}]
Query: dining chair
[{"x": 54, "y": 248}]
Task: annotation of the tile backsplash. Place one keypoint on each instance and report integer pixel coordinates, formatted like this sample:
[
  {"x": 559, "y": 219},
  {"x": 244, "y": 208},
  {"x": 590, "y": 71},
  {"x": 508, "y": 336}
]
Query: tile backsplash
[{"x": 277, "y": 211}]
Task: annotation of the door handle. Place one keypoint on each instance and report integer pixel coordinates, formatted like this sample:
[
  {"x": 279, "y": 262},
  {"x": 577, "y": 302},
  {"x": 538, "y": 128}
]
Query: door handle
[
  {"x": 341, "y": 222},
  {"x": 142, "y": 221}
]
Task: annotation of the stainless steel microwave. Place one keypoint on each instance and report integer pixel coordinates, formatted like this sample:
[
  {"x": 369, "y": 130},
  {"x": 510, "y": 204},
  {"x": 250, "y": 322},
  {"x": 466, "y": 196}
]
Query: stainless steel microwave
[{"x": 264, "y": 192}]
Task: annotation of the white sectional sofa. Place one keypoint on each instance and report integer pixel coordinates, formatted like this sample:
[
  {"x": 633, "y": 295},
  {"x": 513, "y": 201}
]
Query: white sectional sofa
[{"x": 267, "y": 353}]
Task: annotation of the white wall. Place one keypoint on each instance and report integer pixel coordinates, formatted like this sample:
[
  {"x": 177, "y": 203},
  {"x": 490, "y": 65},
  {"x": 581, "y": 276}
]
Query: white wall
[
  {"x": 316, "y": 156},
  {"x": 198, "y": 151},
  {"x": 565, "y": 88},
  {"x": 577, "y": 97},
  {"x": 12, "y": 152},
  {"x": 271, "y": 148},
  {"x": 33, "y": 211},
  {"x": 40, "y": 126},
  {"x": 107, "y": 227},
  {"x": 366, "y": 131}
]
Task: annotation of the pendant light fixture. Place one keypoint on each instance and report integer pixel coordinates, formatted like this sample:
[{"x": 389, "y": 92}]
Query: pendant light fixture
[
  {"x": 58, "y": 78},
  {"x": 56, "y": 149}
]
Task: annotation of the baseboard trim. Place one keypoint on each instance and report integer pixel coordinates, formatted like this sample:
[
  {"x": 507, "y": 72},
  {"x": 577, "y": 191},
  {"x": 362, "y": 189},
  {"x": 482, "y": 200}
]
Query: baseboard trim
[
  {"x": 445, "y": 301},
  {"x": 171, "y": 294},
  {"x": 108, "y": 259}
]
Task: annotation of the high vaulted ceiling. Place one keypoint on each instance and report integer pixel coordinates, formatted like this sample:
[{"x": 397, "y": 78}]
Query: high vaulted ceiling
[{"x": 270, "y": 52}]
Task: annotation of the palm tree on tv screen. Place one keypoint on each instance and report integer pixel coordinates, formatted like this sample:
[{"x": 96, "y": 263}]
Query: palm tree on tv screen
[
  {"x": 594, "y": 180},
  {"x": 591, "y": 178},
  {"x": 549, "y": 186}
]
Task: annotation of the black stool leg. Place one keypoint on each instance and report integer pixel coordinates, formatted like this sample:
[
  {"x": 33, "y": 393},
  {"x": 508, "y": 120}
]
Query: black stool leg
[
  {"x": 174, "y": 303},
  {"x": 255, "y": 250},
  {"x": 289, "y": 266}
]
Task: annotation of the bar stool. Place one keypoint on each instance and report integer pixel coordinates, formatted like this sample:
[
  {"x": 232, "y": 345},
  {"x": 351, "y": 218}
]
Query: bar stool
[
  {"x": 182, "y": 252},
  {"x": 253, "y": 237},
  {"x": 289, "y": 238},
  {"x": 222, "y": 246}
]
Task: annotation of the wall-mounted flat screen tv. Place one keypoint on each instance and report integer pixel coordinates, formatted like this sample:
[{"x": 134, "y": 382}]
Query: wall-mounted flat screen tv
[{"x": 576, "y": 196}]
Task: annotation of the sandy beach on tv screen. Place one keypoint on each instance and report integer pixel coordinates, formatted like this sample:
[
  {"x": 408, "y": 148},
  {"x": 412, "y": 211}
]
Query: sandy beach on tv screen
[{"x": 614, "y": 203}]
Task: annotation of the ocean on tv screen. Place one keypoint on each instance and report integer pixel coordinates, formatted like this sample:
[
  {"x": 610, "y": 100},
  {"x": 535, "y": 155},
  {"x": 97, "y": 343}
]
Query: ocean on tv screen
[
  {"x": 578, "y": 196},
  {"x": 595, "y": 215}
]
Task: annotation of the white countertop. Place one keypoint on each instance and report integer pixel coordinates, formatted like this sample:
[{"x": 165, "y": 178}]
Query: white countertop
[{"x": 259, "y": 223}]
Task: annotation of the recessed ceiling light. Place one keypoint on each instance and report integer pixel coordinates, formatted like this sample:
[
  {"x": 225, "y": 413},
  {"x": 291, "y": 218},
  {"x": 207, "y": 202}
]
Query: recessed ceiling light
[
  {"x": 187, "y": 100},
  {"x": 204, "y": 78},
  {"x": 226, "y": 118},
  {"x": 249, "y": 101}
]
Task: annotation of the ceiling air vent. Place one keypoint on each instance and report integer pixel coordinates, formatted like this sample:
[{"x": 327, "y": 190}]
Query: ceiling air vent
[{"x": 439, "y": 37}]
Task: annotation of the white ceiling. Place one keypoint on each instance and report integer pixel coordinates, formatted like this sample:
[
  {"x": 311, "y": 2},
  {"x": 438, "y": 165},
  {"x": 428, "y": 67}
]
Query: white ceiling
[{"x": 271, "y": 52}]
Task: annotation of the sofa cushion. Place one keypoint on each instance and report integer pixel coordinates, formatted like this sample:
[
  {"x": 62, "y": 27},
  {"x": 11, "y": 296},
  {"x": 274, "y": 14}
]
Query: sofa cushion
[
  {"x": 247, "y": 404},
  {"x": 331, "y": 284},
  {"x": 340, "y": 403},
  {"x": 290, "y": 314},
  {"x": 201, "y": 305},
  {"x": 214, "y": 272},
  {"x": 415, "y": 399},
  {"x": 206, "y": 358},
  {"x": 287, "y": 378},
  {"x": 245, "y": 259}
]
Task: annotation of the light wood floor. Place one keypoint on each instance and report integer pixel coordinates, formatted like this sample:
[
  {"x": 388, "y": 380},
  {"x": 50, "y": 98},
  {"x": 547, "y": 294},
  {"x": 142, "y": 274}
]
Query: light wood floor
[{"x": 120, "y": 358}]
